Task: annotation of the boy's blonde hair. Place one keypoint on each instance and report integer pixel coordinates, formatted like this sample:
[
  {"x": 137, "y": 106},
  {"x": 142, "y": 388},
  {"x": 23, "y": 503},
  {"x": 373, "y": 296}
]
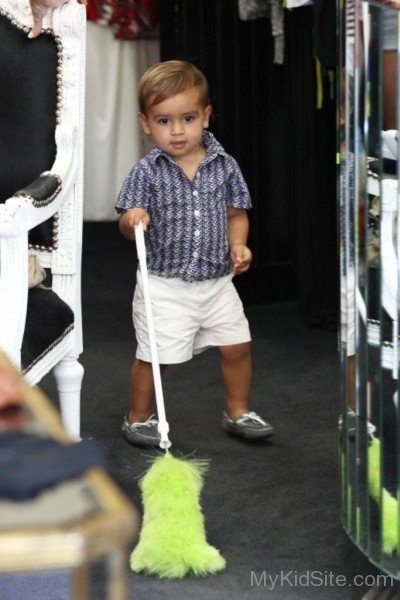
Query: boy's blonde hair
[{"x": 167, "y": 79}]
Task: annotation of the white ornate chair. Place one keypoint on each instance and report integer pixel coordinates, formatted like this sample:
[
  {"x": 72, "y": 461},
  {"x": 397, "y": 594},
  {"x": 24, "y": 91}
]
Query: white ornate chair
[{"x": 41, "y": 150}]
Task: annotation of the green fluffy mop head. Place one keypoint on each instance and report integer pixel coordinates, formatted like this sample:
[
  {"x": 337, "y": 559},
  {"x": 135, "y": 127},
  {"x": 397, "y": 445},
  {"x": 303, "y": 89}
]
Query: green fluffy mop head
[
  {"x": 172, "y": 541},
  {"x": 389, "y": 504}
]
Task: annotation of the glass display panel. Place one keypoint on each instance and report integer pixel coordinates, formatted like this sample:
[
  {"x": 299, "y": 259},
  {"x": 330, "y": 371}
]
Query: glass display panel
[{"x": 368, "y": 122}]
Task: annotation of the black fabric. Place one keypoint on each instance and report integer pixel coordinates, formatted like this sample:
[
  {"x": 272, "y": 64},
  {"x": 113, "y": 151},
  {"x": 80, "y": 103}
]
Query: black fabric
[
  {"x": 41, "y": 189},
  {"x": 325, "y": 39},
  {"x": 48, "y": 319},
  {"x": 266, "y": 116},
  {"x": 311, "y": 174},
  {"x": 43, "y": 235},
  {"x": 28, "y": 102},
  {"x": 30, "y": 463},
  {"x": 249, "y": 119}
]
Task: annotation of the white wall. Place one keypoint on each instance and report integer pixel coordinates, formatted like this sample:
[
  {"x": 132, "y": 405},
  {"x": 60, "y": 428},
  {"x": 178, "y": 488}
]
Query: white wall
[{"x": 113, "y": 140}]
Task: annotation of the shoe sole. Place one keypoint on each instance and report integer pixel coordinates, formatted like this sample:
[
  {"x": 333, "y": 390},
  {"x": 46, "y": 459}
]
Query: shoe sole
[
  {"x": 263, "y": 436},
  {"x": 141, "y": 442}
]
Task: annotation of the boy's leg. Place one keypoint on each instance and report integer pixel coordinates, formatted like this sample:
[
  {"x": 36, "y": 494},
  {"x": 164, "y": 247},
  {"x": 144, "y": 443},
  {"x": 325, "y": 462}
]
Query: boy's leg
[
  {"x": 236, "y": 369},
  {"x": 137, "y": 427},
  {"x": 142, "y": 390}
]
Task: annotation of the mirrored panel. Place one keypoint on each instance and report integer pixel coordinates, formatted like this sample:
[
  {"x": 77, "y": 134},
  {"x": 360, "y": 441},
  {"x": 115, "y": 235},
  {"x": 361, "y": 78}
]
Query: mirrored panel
[{"x": 368, "y": 150}]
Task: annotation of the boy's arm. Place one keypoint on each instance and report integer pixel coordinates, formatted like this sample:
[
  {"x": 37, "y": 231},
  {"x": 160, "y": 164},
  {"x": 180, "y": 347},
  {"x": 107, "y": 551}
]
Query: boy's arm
[
  {"x": 238, "y": 230},
  {"x": 130, "y": 218}
]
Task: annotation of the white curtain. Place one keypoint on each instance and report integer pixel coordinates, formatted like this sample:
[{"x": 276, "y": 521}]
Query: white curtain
[{"x": 113, "y": 139}]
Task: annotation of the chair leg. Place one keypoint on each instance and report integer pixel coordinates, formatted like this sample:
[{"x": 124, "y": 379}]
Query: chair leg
[{"x": 69, "y": 374}]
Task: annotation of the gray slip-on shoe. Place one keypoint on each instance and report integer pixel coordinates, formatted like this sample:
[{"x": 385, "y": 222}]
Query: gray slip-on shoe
[
  {"x": 141, "y": 433},
  {"x": 249, "y": 426}
]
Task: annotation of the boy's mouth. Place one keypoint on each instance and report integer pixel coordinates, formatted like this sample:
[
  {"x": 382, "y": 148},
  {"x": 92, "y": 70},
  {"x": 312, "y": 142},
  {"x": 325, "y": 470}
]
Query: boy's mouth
[{"x": 177, "y": 144}]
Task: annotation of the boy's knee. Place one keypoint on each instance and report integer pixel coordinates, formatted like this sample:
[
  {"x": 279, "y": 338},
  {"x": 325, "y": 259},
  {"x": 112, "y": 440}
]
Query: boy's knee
[
  {"x": 236, "y": 352},
  {"x": 140, "y": 363}
]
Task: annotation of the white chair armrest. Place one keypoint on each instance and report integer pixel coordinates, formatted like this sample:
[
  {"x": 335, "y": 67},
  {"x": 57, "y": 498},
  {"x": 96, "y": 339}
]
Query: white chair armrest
[
  {"x": 13, "y": 293},
  {"x": 20, "y": 214}
]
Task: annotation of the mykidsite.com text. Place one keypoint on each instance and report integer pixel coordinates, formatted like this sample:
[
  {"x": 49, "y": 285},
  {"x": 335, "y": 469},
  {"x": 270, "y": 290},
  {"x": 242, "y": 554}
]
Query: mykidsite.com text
[{"x": 294, "y": 579}]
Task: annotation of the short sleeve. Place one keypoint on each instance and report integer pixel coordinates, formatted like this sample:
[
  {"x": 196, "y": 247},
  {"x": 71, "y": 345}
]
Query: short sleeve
[
  {"x": 238, "y": 195},
  {"x": 135, "y": 191}
]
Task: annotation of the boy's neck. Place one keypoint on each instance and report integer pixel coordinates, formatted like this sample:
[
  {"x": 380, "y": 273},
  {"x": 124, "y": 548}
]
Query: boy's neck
[{"x": 189, "y": 164}]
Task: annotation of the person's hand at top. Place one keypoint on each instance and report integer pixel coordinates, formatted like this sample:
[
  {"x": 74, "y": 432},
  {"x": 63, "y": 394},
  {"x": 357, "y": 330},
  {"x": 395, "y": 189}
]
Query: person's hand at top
[{"x": 39, "y": 10}]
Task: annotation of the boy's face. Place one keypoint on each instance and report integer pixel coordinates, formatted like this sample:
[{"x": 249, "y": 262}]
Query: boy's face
[{"x": 176, "y": 124}]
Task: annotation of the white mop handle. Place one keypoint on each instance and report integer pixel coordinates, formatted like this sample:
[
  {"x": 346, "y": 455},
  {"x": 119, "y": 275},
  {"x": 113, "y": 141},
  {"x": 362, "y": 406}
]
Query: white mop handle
[{"x": 163, "y": 426}]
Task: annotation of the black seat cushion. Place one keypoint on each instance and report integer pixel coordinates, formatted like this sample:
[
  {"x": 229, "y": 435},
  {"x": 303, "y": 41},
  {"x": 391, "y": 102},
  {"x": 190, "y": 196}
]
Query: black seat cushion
[
  {"x": 28, "y": 103},
  {"x": 48, "y": 320}
]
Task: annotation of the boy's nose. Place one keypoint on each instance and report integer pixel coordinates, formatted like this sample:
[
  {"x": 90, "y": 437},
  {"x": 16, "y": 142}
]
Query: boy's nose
[{"x": 176, "y": 128}]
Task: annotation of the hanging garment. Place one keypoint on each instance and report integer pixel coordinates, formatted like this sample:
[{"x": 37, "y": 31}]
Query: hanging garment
[
  {"x": 129, "y": 19},
  {"x": 253, "y": 9},
  {"x": 256, "y": 9},
  {"x": 297, "y": 3},
  {"x": 325, "y": 32}
]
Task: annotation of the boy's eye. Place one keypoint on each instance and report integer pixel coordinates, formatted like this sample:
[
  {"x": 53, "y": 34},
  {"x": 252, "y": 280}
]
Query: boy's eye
[
  {"x": 163, "y": 121},
  {"x": 189, "y": 118}
]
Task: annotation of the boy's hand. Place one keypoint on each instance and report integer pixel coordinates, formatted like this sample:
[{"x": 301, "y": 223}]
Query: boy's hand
[
  {"x": 241, "y": 257},
  {"x": 130, "y": 219}
]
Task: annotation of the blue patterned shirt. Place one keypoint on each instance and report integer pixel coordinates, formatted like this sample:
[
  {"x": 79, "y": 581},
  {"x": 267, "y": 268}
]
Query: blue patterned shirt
[{"x": 188, "y": 233}]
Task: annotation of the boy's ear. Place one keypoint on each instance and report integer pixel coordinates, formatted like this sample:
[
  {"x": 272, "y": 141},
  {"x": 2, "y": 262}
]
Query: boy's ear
[
  {"x": 144, "y": 123},
  {"x": 207, "y": 114}
]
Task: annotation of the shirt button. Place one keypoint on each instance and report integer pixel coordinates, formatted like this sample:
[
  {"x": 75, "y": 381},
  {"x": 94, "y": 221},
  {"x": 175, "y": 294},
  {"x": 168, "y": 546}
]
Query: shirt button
[
  {"x": 196, "y": 233},
  {"x": 196, "y": 213},
  {"x": 195, "y": 254},
  {"x": 195, "y": 193}
]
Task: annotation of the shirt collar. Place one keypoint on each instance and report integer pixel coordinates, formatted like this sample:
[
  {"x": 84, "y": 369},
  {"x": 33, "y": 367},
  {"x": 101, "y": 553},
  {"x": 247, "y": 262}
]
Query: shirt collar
[{"x": 212, "y": 146}]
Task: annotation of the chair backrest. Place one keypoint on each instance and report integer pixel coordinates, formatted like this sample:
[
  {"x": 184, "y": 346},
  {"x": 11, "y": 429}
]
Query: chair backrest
[
  {"x": 28, "y": 104},
  {"x": 41, "y": 141}
]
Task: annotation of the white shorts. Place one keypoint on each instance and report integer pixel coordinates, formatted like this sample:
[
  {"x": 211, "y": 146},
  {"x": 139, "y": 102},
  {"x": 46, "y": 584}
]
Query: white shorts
[{"x": 188, "y": 317}]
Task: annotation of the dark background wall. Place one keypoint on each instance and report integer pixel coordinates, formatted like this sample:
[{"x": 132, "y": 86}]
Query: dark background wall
[{"x": 266, "y": 116}]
